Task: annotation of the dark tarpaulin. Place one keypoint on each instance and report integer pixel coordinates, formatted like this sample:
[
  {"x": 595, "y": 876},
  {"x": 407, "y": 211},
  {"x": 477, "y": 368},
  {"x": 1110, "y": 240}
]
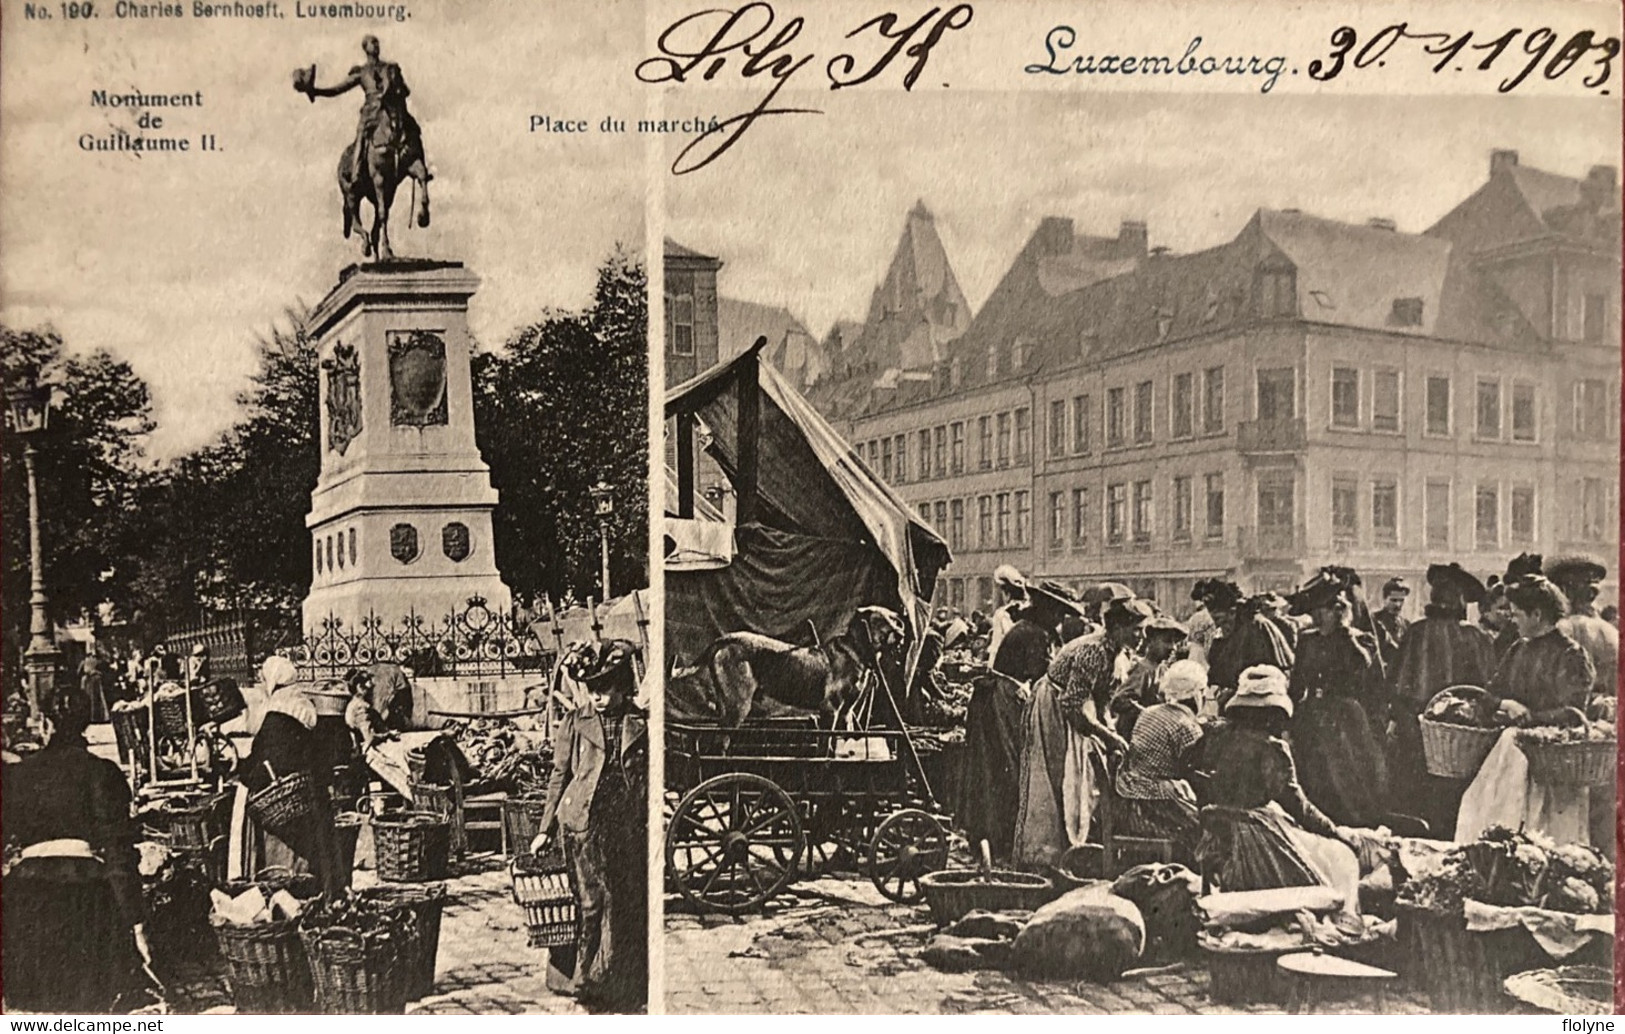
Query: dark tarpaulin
[{"x": 777, "y": 583}]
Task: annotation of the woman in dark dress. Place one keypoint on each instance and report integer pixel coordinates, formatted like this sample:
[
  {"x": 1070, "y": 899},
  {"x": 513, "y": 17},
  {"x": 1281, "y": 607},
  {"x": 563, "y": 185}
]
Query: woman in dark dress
[
  {"x": 73, "y": 934},
  {"x": 993, "y": 761},
  {"x": 1337, "y": 688},
  {"x": 286, "y": 743},
  {"x": 1246, "y": 638},
  {"x": 1546, "y": 672},
  {"x": 1441, "y": 650},
  {"x": 597, "y": 799},
  {"x": 1260, "y": 830}
]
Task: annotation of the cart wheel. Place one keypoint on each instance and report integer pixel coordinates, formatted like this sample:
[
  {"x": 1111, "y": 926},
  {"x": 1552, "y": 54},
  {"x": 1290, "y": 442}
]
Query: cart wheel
[
  {"x": 732, "y": 843},
  {"x": 907, "y": 845}
]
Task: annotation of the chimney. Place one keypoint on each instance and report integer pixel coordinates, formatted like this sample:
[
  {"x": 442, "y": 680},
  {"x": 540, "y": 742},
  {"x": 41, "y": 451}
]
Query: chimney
[
  {"x": 1131, "y": 238},
  {"x": 1502, "y": 160},
  {"x": 1382, "y": 223},
  {"x": 1054, "y": 235},
  {"x": 1600, "y": 188},
  {"x": 1159, "y": 251}
]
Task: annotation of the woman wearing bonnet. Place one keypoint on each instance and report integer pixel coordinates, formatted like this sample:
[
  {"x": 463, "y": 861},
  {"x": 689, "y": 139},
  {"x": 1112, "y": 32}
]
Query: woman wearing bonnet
[
  {"x": 284, "y": 743},
  {"x": 1261, "y": 831},
  {"x": 1157, "y": 797}
]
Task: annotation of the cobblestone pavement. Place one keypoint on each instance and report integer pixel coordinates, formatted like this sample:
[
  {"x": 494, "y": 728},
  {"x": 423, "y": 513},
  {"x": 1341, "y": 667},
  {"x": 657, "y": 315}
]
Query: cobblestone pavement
[
  {"x": 484, "y": 966},
  {"x": 836, "y": 946}
]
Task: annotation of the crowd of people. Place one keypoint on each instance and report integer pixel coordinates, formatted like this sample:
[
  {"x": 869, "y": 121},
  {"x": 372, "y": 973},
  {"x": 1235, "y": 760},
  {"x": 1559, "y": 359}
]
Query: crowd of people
[
  {"x": 1271, "y": 740},
  {"x": 74, "y": 930}
]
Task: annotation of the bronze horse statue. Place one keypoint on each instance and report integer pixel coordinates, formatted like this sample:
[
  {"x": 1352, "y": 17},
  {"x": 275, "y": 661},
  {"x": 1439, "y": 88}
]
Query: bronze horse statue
[
  {"x": 387, "y": 150},
  {"x": 389, "y": 161}
]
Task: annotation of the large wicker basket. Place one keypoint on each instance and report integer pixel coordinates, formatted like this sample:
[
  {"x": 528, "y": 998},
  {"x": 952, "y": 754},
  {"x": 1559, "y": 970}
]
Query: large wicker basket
[
  {"x": 445, "y": 803},
  {"x": 521, "y": 821},
  {"x": 1574, "y": 763},
  {"x": 194, "y": 825},
  {"x": 266, "y": 965},
  {"x": 426, "y": 901},
  {"x": 284, "y": 802},
  {"x": 411, "y": 848},
  {"x": 1455, "y": 751},
  {"x": 542, "y": 886},
  {"x": 1463, "y": 971},
  {"x": 363, "y": 972},
  {"x": 951, "y": 893}
]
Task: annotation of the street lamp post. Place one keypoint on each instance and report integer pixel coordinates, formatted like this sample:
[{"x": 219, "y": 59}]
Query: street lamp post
[
  {"x": 30, "y": 412},
  {"x": 603, "y": 503}
]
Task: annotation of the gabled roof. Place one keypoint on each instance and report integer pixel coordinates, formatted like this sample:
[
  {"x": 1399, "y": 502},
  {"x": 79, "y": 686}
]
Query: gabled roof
[{"x": 672, "y": 249}]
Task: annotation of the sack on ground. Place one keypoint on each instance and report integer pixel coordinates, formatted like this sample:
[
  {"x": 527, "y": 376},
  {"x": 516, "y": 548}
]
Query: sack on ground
[{"x": 1088, "y": 933}]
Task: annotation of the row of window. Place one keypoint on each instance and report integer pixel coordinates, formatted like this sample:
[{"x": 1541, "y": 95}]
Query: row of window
[
  {"x": 1362, "y": 511},
  {"x": 1504, "y": 409},
  {"x": 1002, "y": 440}
]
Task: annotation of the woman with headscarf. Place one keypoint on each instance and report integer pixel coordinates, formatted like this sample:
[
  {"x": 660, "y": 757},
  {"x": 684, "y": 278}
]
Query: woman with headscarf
[
  {"x": 1068, "y": 735},
  {"x": 1441, "y": 650},
  {"x": 1246, "y": 637},
  {"x": 1544, "y": 678},
  {"x": 1336, "y": 686},
  {"x": 1013, "y": 593},
  {"x": 1153, "y": 782},
  {"x": 596, "y": 804},
  {"x": 284, "y": 744},
  {"x": 1261, "y": 830},
  {"x": 74, "y": 934}
]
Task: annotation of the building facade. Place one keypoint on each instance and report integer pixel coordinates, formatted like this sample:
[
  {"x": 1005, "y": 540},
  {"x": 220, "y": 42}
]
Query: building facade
[{"x": 1309, "y": 392}]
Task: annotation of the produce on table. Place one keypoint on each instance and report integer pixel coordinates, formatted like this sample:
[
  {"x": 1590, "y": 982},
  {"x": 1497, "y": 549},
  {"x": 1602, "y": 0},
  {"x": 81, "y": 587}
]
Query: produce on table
[
  {"x": 502, "y": 758},
  {"x": 1516, "y": 869}
]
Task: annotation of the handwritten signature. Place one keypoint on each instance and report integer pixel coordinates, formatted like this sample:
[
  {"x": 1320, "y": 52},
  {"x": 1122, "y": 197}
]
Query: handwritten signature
[{"x": 749, "y": 43}]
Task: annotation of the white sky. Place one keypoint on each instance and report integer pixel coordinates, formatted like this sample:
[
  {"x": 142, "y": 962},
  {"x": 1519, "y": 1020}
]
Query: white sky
[
  {"x": 176, "y": 262},
  {"x": 818, "y": 202}
]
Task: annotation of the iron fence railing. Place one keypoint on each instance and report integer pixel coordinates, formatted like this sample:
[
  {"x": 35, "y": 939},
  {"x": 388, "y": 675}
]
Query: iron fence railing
[{"x": 475, "y": 642}]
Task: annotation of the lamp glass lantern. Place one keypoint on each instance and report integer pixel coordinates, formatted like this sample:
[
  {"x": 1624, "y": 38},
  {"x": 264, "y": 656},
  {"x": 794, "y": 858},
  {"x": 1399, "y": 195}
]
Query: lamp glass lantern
[
  {"x": 603, "y": 499},
  {"x": 29, "y": 407}
]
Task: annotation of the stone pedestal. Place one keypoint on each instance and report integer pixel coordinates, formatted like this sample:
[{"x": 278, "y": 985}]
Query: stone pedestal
[{"x": 400, "y": 520}]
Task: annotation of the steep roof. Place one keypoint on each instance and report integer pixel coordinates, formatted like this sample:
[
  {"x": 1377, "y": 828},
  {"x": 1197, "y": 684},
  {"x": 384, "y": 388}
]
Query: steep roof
[
  {"x": 672, "y": 249},
  {"x": 918, "y": 307}
]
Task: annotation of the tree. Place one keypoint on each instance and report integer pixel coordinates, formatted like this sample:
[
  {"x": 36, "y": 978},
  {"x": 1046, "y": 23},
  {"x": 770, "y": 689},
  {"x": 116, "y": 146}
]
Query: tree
[
  {"x": 88, "y": 473},
  {"x": 564, "y": 405}
]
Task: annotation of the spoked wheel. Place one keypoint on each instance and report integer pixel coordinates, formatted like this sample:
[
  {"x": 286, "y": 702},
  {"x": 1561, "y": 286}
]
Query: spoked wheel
[
  {"x": 907, "y": 845},
  {"x": 733, "y": 842}
]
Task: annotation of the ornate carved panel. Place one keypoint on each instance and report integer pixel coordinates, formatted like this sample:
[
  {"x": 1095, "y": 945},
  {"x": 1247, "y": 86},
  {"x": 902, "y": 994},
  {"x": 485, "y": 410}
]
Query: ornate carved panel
[
  {"x": 343, "y": 397},
  {"x": 417, "y": 378},
  {"x": 454, "y": 541},
  {"x": 403, "y": 543}
]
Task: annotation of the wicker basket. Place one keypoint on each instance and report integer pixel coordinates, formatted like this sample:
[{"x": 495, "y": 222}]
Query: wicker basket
[
  {"x": 1464, "y": 971},
  {"x": 1567, "y": 990},
  {"x": 363, "y": 972},
  {"x": 542, "y": 886},
  {"x": 445, "y": 803},
  {"x": 1455, "y": 751},
  {"x": 265, "y": 965},
  {"x": 411, "y": 848},
  {"x": 426, "y": 901},
  {"x": 952, "y": 893},
  {"x": 218, "y": 701},
  {"x": 284, "y": 802},
  {"x": 1246, "y": 976},
  {"x": 193, "y": 825},
  {"x": 1575, "y": 763},
  {"x": 521, "y": 821}
]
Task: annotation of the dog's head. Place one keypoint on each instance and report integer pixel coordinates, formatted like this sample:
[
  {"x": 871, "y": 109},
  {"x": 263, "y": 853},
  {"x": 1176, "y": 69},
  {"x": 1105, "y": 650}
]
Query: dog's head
[{"x": 876, "y": 630}]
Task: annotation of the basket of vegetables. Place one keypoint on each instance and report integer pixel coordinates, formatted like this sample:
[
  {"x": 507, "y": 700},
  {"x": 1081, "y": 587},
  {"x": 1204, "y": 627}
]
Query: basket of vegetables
[
  {"x": 1463, "y": 969},
  {"x": 1459, "y": 730},
  {"x": 1583, "y": 753},
  {"x": 362, "y": 955},
  {"x": 256, "y": 929}
]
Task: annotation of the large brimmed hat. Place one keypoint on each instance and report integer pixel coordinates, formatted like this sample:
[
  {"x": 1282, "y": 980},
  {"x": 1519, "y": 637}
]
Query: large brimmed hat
[
  {"x": 1217, "y": 593},
  {"x": 1053, "y": 597},
  {"x": 1105, "y": 592},
  {"x": 1451, "y": 578},
  {"x": 1321, "y": 591},
  {"x": 1575, "y": 570},
  {"x": 1007, "y": 575},
  {"x": 1127, "y": 613},
  {"x": 1165, "y": 626},
  {"x": 1262, "y": 685},
  {"x": 1522, "y": 566}
]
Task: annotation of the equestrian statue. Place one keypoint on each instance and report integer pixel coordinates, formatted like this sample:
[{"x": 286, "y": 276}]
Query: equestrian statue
[{"x": 388, "y": 147}]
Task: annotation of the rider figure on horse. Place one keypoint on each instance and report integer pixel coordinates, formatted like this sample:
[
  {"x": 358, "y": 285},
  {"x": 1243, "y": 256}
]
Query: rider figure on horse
[{"x": 385, "y": 92}]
